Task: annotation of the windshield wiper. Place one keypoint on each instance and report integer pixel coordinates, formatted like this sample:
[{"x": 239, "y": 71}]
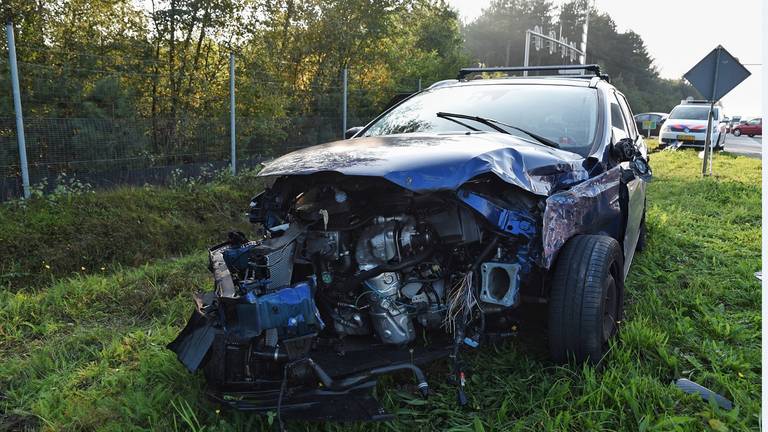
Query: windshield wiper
[{"x": 493, "y": 124}]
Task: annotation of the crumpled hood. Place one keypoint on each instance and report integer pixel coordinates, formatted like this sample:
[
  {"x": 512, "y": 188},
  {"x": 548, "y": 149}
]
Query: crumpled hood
[{"x": 429, "y": 162}]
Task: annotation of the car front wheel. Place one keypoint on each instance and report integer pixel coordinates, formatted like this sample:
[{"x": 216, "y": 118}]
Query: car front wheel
[
  {"x": 737, "y": 132},
  {"x": 586, "y": 298}
]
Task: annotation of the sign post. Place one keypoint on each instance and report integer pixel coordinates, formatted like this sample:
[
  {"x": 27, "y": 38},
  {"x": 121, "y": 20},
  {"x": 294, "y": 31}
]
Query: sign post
[
  {"x": 649, "y": 125},
  {"x": 714, "y": 76}
]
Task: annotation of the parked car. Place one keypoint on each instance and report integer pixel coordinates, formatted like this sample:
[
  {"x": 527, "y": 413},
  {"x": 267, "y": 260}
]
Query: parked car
[
  {"x": 425, "y": 233},
  {"x": 657, "y": 118},
  {"x": 733, "y": 121},
  {"x": 750, "y": 128},
  {"x": 687, "y": 127}
]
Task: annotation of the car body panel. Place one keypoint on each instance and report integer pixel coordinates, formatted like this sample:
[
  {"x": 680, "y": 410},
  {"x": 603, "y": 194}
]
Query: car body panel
[
  {"x": 591, "y": 207},
  {"x": 430, "y": 162}
]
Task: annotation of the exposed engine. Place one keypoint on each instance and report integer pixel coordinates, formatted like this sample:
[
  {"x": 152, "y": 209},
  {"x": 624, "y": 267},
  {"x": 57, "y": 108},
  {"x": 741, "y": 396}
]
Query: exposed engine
[{"x": 359, "y": 260}]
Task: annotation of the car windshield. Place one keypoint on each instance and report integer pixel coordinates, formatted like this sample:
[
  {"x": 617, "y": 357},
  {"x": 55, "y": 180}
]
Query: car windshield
[
  {"x": 691, "y": 113},
  {"x": 564, "y": 114}
]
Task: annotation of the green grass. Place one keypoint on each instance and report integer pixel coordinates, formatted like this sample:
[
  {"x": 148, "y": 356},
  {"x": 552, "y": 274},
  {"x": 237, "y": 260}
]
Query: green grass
[
  {"x": 53, "y": 236},
  {"x": 88, "y": 352}
]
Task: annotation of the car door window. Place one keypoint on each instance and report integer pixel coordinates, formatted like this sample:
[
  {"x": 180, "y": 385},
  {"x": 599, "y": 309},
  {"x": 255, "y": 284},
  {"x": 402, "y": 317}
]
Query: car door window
[
  {"x": 754, "y": 122},
  {"x": 617, "y": 122},
  {"x": 631, "y": 127}
]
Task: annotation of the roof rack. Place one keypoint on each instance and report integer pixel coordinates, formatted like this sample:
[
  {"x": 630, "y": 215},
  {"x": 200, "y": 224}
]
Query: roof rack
[{"x": 594, "y": 68}]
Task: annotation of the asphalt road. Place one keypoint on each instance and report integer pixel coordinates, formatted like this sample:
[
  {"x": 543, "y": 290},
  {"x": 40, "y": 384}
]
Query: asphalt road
[{"x": 744, "y": 145}]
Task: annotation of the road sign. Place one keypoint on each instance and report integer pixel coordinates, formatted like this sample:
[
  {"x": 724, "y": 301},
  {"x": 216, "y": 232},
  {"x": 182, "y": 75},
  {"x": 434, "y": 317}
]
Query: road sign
[
  {"x": 649, "y": 124},
  {"x": 716, "y": 74}
]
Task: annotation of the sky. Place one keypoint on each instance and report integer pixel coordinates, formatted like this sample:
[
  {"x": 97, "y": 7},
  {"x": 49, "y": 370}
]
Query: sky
[{"x": 679, "y": 33}]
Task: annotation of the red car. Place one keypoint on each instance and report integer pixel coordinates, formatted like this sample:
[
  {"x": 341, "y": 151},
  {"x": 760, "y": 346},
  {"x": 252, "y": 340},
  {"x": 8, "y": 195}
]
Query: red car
[{"x": 751, "y": 128}]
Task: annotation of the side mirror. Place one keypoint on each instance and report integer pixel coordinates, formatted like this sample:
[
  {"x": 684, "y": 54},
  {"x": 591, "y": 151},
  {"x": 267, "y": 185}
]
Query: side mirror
[
  {"x": 624, "y": 150},
  {"x": 352, "y": 131}
]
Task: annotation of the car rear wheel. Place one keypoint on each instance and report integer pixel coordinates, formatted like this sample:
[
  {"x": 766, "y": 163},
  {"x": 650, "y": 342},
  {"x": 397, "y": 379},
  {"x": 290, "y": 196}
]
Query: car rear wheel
[
  {"x": 736, "y": 132},
  {"x": 751, "y": 135},
  {"x": 586, "y": 298}
]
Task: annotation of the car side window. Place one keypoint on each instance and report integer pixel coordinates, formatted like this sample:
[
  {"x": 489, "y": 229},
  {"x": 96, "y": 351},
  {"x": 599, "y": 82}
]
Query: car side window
[
  {"x": 754, "y": 121},
  {"x": 631, "y": 127},
  {"x": 617, "y": 122}
]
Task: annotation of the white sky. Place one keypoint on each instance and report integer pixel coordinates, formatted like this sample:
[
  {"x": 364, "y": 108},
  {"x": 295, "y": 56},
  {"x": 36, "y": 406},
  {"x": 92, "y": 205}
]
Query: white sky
[{"x": 679, "y": 33}]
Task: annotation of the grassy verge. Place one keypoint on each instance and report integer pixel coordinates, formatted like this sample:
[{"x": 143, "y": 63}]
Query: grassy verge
[
  {"x": 88, "y": 353},
  {"x": 52, "y": 236}
]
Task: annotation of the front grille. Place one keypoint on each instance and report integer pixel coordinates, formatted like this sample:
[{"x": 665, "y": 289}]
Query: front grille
[{"x": 690, "y": 129}]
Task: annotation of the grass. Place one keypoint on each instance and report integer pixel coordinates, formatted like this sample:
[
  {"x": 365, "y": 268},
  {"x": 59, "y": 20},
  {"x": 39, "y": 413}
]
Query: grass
[
  {"x": 88, "y": 352},
  {"x": 46, "y": 238}
]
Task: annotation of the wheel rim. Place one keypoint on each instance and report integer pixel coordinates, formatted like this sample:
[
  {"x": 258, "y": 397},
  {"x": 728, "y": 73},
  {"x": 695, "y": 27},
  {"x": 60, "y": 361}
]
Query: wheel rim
[{"x": 610, "y": 300}]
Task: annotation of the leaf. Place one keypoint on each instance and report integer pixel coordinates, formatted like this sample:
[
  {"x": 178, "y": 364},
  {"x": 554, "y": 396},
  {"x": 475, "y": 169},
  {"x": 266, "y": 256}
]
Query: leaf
[
  {"x": 478, "y": 425},
  {"x": 717, "y": 425}
]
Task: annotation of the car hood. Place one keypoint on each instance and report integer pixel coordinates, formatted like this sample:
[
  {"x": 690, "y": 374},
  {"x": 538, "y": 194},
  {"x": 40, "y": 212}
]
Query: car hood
[{"x": 429, "y": 162}]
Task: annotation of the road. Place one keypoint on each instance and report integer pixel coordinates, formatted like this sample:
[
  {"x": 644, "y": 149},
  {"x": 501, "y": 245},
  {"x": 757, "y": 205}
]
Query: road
[{"x": 744, "y": 145}]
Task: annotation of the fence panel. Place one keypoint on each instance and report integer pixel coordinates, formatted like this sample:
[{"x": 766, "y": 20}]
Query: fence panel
[{"x": 106, "y": 122}]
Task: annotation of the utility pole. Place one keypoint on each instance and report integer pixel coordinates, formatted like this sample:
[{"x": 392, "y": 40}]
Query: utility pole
[
  {"x": 17, "y": 108},
  {"x": 232, "y": 140},
  {"x": 584, "y": 33},
  {"x": 344, "y": 103}
]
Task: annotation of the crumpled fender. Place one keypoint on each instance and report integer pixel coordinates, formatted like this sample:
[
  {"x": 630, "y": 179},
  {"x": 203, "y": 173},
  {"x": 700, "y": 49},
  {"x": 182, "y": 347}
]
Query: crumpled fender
[
  {"x": 432, "y": 162},
  {"x": 589, "y": 207}
]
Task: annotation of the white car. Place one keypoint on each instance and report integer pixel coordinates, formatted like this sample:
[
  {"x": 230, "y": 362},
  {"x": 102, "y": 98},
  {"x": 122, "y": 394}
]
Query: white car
[{"x": 687, "y": 127}]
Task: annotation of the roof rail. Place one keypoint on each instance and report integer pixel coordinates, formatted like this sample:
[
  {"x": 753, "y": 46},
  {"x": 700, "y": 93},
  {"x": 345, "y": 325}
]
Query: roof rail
[{"x": 594, "y": 68}]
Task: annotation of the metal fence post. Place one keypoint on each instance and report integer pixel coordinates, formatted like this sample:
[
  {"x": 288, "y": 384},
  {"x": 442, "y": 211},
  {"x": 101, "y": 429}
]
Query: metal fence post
[
  {"x": 344, "y": 103},
  {"x": 419, "y": 88},
  {"x": 232, "y": 141},
  {"x": 527, "y": 50},
  {"x": 17, "y": 108}
]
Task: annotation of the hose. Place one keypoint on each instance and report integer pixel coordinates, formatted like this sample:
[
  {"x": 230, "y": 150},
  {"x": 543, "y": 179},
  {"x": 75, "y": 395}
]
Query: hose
[
  {"x": 346, "y": 383},
  {"x": 359, "y": 278}
]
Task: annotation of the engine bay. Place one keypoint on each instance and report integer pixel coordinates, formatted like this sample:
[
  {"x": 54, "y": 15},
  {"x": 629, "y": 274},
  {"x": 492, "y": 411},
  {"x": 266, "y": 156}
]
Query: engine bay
[{"x": 348, "y": 278}]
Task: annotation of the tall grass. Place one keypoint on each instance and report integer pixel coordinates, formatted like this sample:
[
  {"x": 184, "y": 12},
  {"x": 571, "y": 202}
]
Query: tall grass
[
  {"x": 86, "y": 232},
  {"x": 88, "y": 352}
]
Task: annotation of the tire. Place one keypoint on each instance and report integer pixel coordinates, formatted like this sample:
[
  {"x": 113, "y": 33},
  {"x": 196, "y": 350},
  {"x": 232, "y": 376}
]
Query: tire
[
  {"x": 586, "y": 298},
  {"x": 737, "y": 132},
  {"x": 751, "y": 135}
]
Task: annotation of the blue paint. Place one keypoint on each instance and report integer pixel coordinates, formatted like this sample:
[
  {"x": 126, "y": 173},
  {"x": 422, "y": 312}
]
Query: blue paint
[{"x": 510, "y": 221}]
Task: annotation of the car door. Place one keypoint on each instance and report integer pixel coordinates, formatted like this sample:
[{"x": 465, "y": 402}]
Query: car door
[
  {"x": 751, "y": 128},
  {"x": 632, "y": 184}
]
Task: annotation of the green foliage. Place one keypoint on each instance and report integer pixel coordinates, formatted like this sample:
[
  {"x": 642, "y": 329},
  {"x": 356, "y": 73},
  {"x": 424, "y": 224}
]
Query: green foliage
[
  {"x": 89, "y": 352},
  {"x": 78, "y": 231},
  {"x": 151, "y": 78}
]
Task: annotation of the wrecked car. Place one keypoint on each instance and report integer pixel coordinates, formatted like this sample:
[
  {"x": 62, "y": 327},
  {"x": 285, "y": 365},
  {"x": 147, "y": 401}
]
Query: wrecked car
[{"x": 423, "y": 235}]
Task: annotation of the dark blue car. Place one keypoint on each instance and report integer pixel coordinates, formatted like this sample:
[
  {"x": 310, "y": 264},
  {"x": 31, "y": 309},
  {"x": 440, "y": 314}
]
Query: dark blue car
[{"x": 427, "y": 232}]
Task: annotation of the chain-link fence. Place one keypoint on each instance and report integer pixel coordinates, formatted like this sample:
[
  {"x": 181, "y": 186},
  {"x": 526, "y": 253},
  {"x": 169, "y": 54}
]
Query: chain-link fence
[{"x": 105, "y": 121}]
